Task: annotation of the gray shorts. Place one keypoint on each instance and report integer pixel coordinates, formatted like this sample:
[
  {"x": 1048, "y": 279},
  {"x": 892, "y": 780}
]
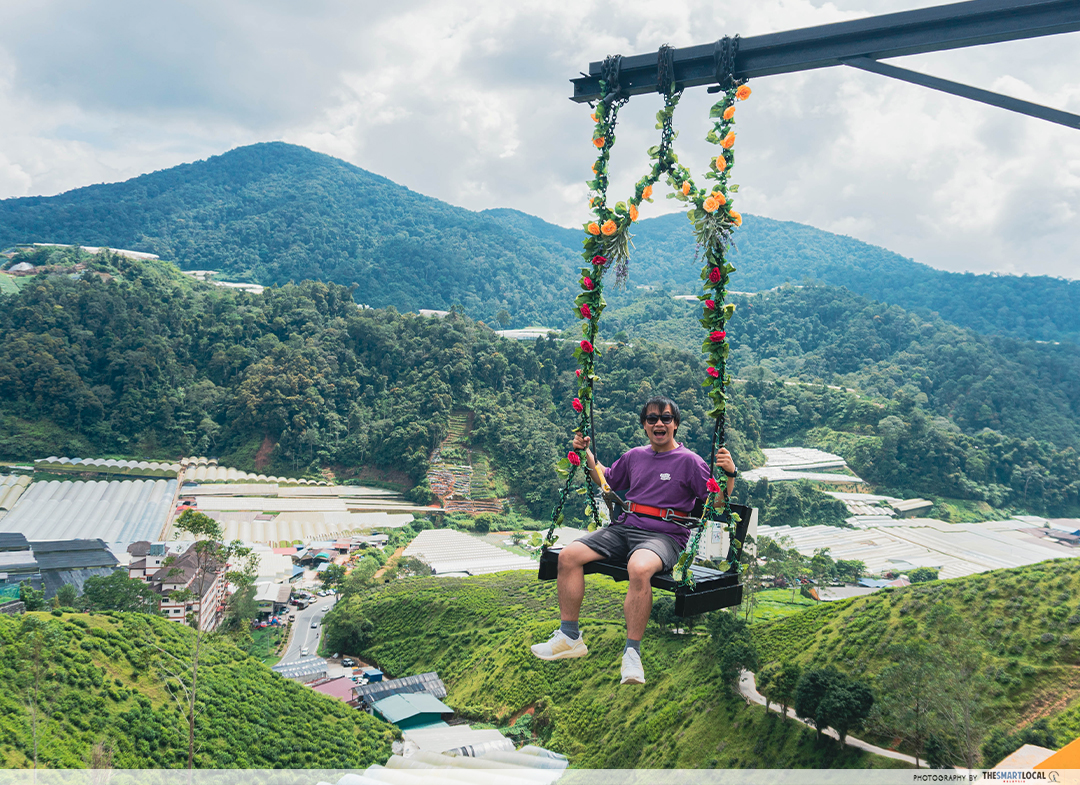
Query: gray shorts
[{"x": 618, "y": 541}]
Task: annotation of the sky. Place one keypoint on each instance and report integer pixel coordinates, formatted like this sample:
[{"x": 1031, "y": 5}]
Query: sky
[{"x": 468, "y": 102}]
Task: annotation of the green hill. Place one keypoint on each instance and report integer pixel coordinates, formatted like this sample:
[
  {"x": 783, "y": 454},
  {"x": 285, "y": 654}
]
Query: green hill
[
  {"x": 1007, "y": 637},
  {"x": 102, "y": 697},
  {"x": 476, "y": 632},
  {"x": 273, "y": 213}
]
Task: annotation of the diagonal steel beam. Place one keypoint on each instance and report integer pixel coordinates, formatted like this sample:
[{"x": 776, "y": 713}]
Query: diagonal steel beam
[
  {"x": 965, "y": 91},
  {"x": 953, "y": 26}
]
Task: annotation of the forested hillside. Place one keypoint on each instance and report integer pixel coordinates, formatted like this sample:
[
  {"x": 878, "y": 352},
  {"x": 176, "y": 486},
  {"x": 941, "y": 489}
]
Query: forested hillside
[
  {"x": 828, "y": 335},
  {"x": 100, "y": 690},
  {"x": 134, "y": 359},
  {"x": 273, "y": 213},
  {"x": 769, "y": 253}
]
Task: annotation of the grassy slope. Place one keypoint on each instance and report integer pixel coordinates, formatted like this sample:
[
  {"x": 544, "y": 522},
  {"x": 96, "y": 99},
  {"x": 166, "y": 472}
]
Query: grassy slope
[
  {"x": 250, "y": 716},
  {"x": 476, "y": 631},
  {"x": 1024, "y": 620}
]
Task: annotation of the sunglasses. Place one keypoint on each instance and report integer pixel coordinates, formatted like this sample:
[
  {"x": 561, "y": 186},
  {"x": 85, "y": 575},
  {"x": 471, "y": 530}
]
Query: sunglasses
[{"x": 665, "y": 418}]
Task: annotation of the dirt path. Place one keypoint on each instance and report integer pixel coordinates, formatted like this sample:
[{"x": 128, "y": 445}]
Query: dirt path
[
  {"x": 748, "y": 689},
  {"x": 389, "y": 562}
]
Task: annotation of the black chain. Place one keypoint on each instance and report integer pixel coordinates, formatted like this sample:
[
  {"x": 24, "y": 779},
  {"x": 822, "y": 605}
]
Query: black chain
[
  {"x": 610, "y": 74},
  {"x": 665, "y": 70},
  {"x": 724, "y": 53}
]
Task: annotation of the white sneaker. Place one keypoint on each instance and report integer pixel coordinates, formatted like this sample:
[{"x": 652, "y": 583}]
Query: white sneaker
[
  {"x": 560, "y": 647},
  {"x": 632, "y": 672}
]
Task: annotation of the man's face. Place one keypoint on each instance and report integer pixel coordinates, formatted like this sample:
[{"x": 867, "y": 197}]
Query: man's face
[{"x": 661, "y": 435}]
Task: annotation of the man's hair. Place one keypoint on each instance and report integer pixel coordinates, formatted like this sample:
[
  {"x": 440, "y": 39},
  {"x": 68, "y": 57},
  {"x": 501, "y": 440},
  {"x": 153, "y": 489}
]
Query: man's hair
[{"x": 661, "y": 403}]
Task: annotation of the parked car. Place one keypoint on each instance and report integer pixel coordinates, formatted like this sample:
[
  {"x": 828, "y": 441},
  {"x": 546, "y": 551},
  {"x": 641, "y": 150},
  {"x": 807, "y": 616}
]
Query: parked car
[
  {"x": 348, "y": 662},
  {"x": 304, "y": 652}
]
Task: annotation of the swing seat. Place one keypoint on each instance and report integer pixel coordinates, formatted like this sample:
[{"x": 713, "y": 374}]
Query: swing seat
[{"x": 712, "y": 590}]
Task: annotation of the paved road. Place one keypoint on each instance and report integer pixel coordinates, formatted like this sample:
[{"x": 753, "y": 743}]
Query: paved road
[
  {"x": 303, "y": 634},
  {"x": 748, "y": 688}
]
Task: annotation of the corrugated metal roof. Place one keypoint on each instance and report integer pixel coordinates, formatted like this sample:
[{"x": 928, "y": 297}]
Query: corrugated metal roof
[
  {"x": 422, "y": 682},
  {"x": 119, "y": 511},
  {"x": 400, "y": 707},
  {"x": 13, "y": 541},
  {"x": 72, "y": 555}
]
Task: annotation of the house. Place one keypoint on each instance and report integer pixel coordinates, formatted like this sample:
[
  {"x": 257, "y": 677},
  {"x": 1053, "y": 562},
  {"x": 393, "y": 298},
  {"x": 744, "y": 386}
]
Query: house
[
  {"x": 340, "y": 688},
  {"x": 182, "y": 573},
  {"x": 272, "y": 597},
  {"x": 416, "y": 710}
]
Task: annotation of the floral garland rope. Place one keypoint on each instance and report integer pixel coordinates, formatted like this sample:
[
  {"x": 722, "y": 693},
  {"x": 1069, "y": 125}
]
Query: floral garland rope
[{"x": 607, "y": 245}]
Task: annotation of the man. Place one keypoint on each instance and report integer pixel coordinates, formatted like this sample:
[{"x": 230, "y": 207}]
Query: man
[{"x": 662, "y": 475}]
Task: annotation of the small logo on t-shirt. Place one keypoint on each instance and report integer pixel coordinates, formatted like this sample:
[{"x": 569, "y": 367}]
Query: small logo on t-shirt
[{"x": 665, "y": 476}]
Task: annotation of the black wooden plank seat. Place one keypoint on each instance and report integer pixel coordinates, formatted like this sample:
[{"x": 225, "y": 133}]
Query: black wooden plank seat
[{"x": 712, "y": 591}]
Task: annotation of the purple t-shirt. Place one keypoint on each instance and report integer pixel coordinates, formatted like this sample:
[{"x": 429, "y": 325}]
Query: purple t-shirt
[{"x": 675, "y": 479}]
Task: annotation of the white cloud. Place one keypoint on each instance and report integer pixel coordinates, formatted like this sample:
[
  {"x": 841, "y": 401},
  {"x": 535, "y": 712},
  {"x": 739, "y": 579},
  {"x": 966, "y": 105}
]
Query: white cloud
[{"x": 467, "y": 102}]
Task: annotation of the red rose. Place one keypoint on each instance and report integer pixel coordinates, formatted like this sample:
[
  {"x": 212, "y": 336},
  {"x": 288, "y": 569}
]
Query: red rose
[
  {"x": 710, "y": 304},
  {"x": 576, "y": 461},
  {"x": 577, "y": 405},
  {"x": 712, "y": 484},
  {"x": 599, "y": 261},
  {"x": 716, "y": 336},
  {"x": 578, "y": 372},
  {"x": 585, "y": 312},
  {"x": 587, "y": 347},
  {"x": 712, "y": 372},
  {"x": 715, "y": 275},
  {"x": 586, "y": 282}
]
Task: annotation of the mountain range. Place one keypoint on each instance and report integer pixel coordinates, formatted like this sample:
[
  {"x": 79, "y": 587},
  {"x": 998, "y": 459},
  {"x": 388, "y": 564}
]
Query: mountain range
[{"x": 273, "y": 212}]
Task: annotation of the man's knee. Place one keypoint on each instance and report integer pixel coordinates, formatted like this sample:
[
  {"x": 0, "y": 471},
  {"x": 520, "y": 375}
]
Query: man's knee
[
  {"x": 576, "y": 555},
  {"x": 643, "y": 565}
]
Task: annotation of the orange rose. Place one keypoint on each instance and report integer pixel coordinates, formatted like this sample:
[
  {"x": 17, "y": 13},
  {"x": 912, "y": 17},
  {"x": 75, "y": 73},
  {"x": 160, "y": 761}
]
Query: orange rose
[
  {"x": 710, "y": 205},
  {"x": 647, "y": 192},
  {"x": 742, "y": 93},
  {"x": 593, "y": 116},
  {"x": 594, "y": 168},
  {"x": 736, "y": 218},
  {"x": 594, "y": 228},
  {"x": 591, "y": 201},
  {"x": 728, "y": 141},
  {"x": 633, "y": 212},
  {"x": 599, "y": 141},
  {"x": 729, "y": 112},
  {"x": 609, "y": 227},
  {"x": 721, "y": 164},
  {"x": 686, "y": 189},
  {"x": 721, "y": 200}
]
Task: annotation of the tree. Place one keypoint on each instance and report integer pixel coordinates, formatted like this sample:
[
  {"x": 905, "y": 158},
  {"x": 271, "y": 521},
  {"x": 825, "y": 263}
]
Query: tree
[
  {"x": 908, "y": 689},
  {"x": 413, "y": 565},
  {"x": 734, "y": 648},
  {"x": 118, "y": 592},
  {"x": 923, "y": 574},
  {"x": 518, "y": 538},
  {"x": 31, "y": 598},
  {"x": 850, "y": 570},
  {"x": 347, "y": 631},
  {"x": 333, "y": 575},
  {"x": 822, "y": 566},
  {"x": 813, "y": 685},
  {"x": 360, "y": 577},
  {"x": 785, "y": 684},
  {"x": 67, "y": 595},
  {"x": 793, "y": 569},
  {"x": 844, "y": 706},
  {"x": 663, "y": 612},
  {"x": 209, "y": 560}
]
